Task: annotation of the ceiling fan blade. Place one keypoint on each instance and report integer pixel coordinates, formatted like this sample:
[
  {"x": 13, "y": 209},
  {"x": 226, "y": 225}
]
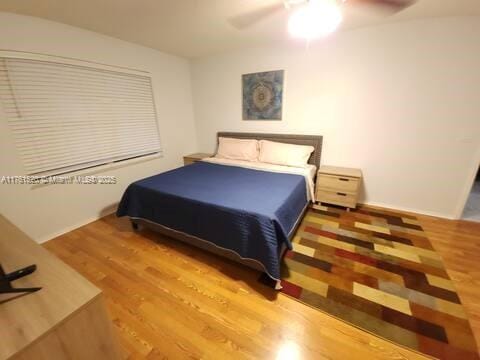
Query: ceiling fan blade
[
  {"x": 250, "y": 18},
  {"x": 391, "y": 5}
]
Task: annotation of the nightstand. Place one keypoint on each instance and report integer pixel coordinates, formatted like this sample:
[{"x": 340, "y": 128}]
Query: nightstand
[
  {"x": 338, "y": 186},
  {"x": 190, "y": 159}
]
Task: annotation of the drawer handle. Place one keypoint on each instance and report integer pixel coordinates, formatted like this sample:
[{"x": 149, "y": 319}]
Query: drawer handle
[
  {"x": 342, "y": 194},
  {"x": 343, "y": 179}
]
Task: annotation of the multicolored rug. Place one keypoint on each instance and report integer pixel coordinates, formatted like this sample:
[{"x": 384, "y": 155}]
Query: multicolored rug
[{"x": 378, "y": 271}]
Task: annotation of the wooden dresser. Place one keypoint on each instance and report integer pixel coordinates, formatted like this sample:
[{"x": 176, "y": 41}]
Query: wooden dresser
[
  {"x": 190, "y": 159},
  {"x": 338, "y": 186},
  {"x": 66, "y": 319}
]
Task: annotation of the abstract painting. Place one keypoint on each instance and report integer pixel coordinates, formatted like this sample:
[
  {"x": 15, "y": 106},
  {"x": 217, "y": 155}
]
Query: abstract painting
[{"x": 263, "y": 95}]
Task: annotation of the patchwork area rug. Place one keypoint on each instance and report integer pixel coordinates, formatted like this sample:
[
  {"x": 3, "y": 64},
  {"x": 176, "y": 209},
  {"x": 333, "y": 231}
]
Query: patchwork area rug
[{"x": 378, "y": 271}]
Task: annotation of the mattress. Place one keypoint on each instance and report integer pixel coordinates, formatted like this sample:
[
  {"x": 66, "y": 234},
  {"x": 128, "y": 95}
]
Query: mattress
[{"x": 249, "y": 211}]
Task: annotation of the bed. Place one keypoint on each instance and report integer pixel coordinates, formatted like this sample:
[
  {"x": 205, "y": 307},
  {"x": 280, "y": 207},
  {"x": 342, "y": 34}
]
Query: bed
[{"x": 245, "y": 211}]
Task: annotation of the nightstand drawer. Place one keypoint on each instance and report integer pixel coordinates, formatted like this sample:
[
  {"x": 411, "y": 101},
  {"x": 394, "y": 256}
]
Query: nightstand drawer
[
  {"x": 337, "y": 198},
  {"x": 337, "y": 183}
]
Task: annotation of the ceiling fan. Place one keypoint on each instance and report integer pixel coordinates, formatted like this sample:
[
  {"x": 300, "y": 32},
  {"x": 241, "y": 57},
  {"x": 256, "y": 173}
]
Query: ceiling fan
[{"x": 251, "y": 18}]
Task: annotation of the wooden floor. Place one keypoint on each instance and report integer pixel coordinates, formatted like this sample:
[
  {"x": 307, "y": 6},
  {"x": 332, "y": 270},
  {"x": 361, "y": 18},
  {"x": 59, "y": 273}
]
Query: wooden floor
[{"x": 170, "y": 300}]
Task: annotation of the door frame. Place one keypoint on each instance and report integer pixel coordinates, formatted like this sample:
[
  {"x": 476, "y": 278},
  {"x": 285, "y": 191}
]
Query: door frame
[{"x": 468, "y": 187}]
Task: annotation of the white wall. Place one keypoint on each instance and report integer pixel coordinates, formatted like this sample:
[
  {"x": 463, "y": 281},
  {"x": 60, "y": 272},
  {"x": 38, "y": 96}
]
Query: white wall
[
  {"x": 400, "y": 101},
  {"x": 44, "y": 212}
]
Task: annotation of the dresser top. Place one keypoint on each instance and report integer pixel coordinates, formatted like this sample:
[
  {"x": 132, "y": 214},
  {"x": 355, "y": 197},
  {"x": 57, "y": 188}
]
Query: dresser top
[
  {"x": 26, "y": 318},
  {"x": 340, "y": 171}
]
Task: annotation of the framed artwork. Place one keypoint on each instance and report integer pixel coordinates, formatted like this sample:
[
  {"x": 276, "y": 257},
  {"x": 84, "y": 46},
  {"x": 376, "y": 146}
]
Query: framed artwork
[{"x": 263, "y": 95}]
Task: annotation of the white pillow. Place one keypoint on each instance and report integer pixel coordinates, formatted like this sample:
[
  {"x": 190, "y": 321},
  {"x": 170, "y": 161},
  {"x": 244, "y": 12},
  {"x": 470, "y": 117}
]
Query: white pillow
[
  {"x": 237, "y": 149},
  {"x": 284, "y": 154}
]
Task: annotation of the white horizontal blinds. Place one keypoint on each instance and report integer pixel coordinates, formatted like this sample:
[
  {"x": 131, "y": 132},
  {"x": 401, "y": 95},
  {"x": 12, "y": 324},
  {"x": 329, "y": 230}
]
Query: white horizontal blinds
[{"x": 66, "y": 117}]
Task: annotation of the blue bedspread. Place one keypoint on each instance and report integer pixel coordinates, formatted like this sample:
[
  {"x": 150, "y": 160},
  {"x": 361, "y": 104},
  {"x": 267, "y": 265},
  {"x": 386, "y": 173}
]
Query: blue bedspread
[{"x": 251, "y": 212}]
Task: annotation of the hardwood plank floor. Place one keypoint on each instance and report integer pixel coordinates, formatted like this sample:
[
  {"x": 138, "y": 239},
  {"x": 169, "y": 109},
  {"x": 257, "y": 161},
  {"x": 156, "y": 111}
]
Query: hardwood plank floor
[{"x": 170, "y": 300}]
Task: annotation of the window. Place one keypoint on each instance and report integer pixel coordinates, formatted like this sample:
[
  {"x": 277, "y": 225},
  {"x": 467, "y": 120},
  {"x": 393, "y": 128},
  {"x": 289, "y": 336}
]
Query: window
[{"x": 70, "y": 116}]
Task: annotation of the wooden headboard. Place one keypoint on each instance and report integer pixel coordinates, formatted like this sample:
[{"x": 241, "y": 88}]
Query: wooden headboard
[{"x": 312, "y": 140}]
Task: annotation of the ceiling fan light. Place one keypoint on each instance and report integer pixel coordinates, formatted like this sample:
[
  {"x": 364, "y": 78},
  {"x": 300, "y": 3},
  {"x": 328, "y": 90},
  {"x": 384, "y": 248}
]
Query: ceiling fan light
[{"x": 316, "y": 19}]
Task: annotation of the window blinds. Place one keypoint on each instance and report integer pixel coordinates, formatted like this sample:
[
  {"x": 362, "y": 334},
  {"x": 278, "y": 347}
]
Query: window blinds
[{"x": 68, "y": 117}]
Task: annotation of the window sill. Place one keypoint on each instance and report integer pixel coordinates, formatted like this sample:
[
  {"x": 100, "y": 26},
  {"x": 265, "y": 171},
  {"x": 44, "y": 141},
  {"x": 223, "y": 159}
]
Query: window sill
[{"x": 102, "y": 168}]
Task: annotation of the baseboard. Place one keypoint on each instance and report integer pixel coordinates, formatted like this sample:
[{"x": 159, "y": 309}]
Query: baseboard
[
  {"x": 410, "y": 210},
  {"x": 67, "y": 229},
  {"x": 376, "y": 204}
]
